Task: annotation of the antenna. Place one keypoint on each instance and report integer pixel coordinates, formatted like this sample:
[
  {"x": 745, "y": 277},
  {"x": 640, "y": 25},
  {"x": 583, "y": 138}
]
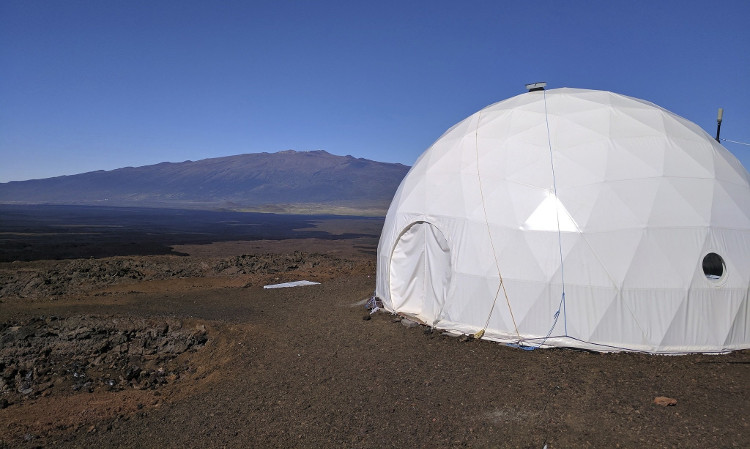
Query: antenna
[{"x": 718, "y": 123}]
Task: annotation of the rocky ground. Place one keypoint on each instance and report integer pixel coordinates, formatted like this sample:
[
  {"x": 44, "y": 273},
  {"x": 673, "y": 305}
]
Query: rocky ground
[
  {"x": 191, "y": 351},
  {"x": 51, "y": 279},
  {"x": 46, "y": 356}
]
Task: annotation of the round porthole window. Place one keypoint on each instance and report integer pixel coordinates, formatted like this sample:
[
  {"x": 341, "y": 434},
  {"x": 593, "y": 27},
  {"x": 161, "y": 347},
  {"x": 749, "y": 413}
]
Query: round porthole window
[{"x": 713, "y": 267}]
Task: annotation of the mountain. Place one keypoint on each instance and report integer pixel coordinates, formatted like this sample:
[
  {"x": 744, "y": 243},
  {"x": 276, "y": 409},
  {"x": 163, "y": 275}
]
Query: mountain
[{"x": 287, "y": 181}]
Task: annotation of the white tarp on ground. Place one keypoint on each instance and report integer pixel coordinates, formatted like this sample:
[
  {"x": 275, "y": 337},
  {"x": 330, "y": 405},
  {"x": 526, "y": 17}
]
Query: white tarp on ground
[
  {"x": 292, "y": 284},
  {"x": 637, "y": 215}
]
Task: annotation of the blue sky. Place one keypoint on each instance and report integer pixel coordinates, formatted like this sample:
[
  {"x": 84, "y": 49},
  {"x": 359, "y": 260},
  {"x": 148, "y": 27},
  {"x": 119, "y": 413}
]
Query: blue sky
[{"x": 88, "y": 85}]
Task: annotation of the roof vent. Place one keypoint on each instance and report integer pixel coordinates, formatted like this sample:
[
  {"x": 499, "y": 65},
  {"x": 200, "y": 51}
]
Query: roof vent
[{"x": 533, "y": 87}]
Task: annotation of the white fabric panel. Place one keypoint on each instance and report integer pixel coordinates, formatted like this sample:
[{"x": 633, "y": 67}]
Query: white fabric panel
[
  {"x": 534, "y": 305},
  {"x": 585, "y": 308},
  {"x": 615, "y": 250},
  {"x": 740, "y": 329},
  {"x": 408, "y": 271},
  {"x": 438, "y": 272},
  {"x": 421, "y": 272},
  {"x": 639, "y": 196}
]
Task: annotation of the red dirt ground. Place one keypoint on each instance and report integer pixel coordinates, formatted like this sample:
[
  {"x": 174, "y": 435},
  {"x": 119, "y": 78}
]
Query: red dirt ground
[{"x": 300, "y": 367}]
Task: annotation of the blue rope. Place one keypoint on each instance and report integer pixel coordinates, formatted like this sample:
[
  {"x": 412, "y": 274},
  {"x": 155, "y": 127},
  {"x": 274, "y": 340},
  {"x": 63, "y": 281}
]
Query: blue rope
[
  {"x": 606, "y": 347},
  {"x": 546, "y": 337},
  {"x": 561, "y": 305}
]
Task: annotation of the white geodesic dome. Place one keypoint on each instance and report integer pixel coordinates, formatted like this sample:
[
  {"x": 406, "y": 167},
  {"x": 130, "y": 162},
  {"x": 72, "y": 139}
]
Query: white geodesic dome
[{"x": 574, "y": 218}]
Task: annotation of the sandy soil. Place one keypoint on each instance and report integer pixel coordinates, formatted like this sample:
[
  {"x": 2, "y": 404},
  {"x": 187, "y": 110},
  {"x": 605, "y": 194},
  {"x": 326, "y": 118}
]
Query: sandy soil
[{"x": 191, "y": 351}]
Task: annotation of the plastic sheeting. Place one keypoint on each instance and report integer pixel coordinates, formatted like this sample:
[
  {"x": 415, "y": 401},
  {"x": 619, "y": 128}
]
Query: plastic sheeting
[
  {"x": 292, "y": 284},
  {"x": 612, "y": 200}
]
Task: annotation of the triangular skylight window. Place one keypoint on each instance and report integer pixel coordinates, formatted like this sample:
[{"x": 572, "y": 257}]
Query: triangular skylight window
[{"x": 550, "y": 215}]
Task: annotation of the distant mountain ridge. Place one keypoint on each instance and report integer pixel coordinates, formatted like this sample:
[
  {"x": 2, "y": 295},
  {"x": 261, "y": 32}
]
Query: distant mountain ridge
[{"x": 287, "y": 181}]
